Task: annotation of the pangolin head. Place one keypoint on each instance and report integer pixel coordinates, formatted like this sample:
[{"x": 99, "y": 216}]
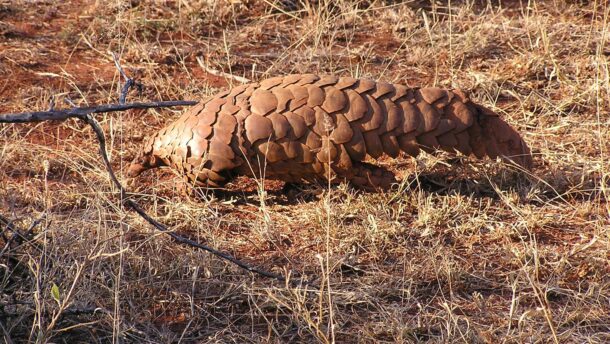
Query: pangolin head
[{"x": 145, "y": 160}]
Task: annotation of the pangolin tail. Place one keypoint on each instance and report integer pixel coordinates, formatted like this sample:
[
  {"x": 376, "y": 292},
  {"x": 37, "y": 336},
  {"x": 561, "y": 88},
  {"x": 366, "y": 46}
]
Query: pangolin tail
[{"x": 492, "y": 136}]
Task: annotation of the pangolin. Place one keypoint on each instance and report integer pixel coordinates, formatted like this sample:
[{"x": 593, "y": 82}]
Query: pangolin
[{"x": 308, "y": 127}]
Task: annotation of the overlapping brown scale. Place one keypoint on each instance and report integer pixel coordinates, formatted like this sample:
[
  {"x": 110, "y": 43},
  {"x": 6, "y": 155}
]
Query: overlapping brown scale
[
  {"x": 308, "y": 156},
  {"x": 335, "y": 100},
  {"x": 358, "y": 107},
  {"x": 394, "y": 116},
  {"x": 305, "y": 127},
  {"x": 312, "y": 140},
  {"x": 195, "y": 110},
  {"x": 229, "y": 109},
  {"x": 191, "y": 122},
  {"x": 324, "y": 123},
  {"x": 390, "y": 145},
  {"x": 374, "y": 117},
  {"x": 293, "y": 149},
  {"x": 432, "y": 94},
  {"x": 271, "y": 82},
  {"x": 328, "y": 151},
  {"x": 179, "y": 156},
  {"x": 307, "y": 79},
  {"x": 214, "y": 105},
  {"x": 326, "y": 80},
  {"x": 356, "y": 147},
  {"x": 307, "y": 113},
  {"x": 272, "y": 151},
  {"x": 364, "y": 85},
  {"x": 195, "y": 161},
  {"x": 298, "y": 125},
  {"x": 236, "y": 91},
  {"x": 316, "y": 96},
  {"x": 343, "y": 132},
  {"x": 429, "y": 115},
  {"x": 224, "y": 128},
  {"x": 345, "y": 82},
  {"x": 258, "y": 127},
  {"x": 374, "y": 148},
  {"x": 445, "y": 125},
  {"x": 283, "y": 96},
  {"x": 291, "y": 79},
  {"x": 263, "y": 102},
  {"x": 218, "y": 148},
  {"x": 299, "y": 96},
  {"x": 243, "y": 99},
  {"x": 198, "y": 147},
  {"x": 382, "y": 89},
  {"x": 343, "y": 162},
  {"x": 318, "y": 168},
  {"x": 216, "y": 179},
  {"x": 187, "y": 135},
  {"x": 177, "y": 129},
  {"x": 207, "y": 118},
  {"x": 401, "y": 91},
  {"x": 281, "y": 126},
  {"x": 166, "y": 141},
  {"x": 220, "y": 163},
  {"x": 222, "y": 94},
  {"x": 460, "y": 114},
  {"x": 442, "y": 102}
]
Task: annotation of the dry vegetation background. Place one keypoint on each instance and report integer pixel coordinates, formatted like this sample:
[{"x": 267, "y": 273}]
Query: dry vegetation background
[{"x": 461, "y": 251}]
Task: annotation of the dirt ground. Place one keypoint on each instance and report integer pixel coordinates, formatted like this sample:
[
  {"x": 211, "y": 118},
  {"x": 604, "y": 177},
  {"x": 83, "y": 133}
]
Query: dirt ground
[{"x": 461, "y": 251}]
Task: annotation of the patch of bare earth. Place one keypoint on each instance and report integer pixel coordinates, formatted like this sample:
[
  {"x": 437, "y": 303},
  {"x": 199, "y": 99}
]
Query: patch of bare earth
[{"x": 461, "y": 251}]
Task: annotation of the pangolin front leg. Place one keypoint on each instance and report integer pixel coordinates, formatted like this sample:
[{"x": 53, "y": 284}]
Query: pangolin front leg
[{"x": 308, "y": 127}]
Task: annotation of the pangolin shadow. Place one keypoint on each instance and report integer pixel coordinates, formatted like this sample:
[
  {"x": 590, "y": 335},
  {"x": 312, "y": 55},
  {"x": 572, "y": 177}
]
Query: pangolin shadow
[
  {"x": 480, "y": 186},
  {"x": 438, "y": 182},
  {"x": 287, "y": 194}
]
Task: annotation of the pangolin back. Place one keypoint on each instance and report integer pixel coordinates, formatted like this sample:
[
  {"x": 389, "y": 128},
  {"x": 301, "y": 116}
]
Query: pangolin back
[{"x": 304, "y": 127}]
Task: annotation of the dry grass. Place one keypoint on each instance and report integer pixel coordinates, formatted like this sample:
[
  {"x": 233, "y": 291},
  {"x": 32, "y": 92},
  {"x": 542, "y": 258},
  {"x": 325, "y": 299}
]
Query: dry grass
[{"x": 459, "y": 252}]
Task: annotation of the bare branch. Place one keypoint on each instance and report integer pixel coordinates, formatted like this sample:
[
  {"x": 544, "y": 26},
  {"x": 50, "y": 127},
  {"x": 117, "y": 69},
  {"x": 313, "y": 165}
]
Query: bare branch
[
  {"x": 129, "y": 82},
  {"x": 80, "y": 112},
  {"x": 118, "y": 66},
  {"x": 221, "y": 74},
  {"x": 52, "y": 103}
]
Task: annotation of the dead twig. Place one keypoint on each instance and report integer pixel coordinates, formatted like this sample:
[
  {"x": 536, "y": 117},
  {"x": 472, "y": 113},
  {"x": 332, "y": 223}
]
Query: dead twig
[
  {"x": 129, "y": 82},
  {"x": 215, "y": 72},
  {"x": 80, "y": 112}
]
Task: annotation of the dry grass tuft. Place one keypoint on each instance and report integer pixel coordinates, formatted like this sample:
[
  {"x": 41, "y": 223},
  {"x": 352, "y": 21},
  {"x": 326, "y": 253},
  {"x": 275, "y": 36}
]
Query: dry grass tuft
[{"x": 461, "y": 251}]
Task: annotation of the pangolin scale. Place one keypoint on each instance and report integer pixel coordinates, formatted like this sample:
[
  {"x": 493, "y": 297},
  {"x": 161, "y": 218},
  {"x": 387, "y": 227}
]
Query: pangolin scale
[{"x": 307, "y": 127}]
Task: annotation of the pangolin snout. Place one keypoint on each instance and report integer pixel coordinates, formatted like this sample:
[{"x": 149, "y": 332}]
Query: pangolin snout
[{"x": 142, "y": 163}]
